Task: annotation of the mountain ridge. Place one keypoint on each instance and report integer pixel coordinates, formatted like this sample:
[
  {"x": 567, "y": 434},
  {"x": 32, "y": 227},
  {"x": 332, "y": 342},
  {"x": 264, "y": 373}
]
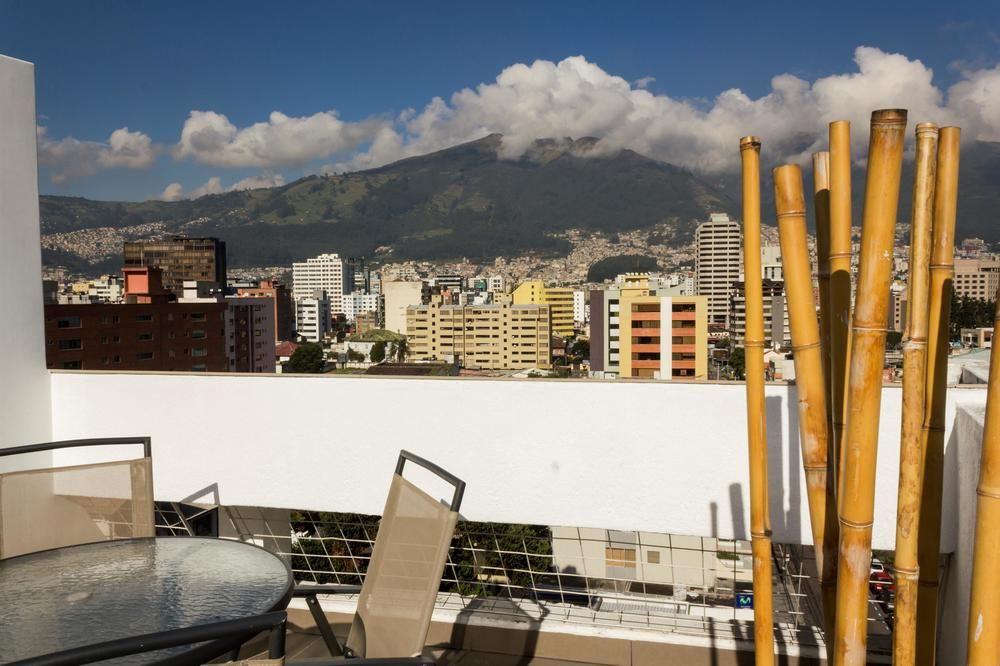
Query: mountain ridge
[{"x": 462, "y": 201}]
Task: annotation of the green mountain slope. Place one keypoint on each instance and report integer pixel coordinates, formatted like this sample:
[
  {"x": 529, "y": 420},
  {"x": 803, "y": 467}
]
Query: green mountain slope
[
  {"x": 460, "y": 202},
  {"x": 465, "y": 201}
]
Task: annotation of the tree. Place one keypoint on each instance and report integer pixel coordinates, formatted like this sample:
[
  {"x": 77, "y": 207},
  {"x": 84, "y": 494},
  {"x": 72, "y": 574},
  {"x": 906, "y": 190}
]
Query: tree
[
  {"x": 355, "y": 356},
  {"x": 377, "y": 354},
  {"x": 579, "y": 350},
  {"x": 400, "y": 350},
  {"x": 308, "y": 358},
  {"x": 737, "y": 362}
]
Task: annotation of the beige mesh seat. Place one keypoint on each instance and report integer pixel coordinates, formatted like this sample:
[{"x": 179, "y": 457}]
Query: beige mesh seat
[
  {"x": 404, "y": 573},
  {"x": 65, "y": 506}
]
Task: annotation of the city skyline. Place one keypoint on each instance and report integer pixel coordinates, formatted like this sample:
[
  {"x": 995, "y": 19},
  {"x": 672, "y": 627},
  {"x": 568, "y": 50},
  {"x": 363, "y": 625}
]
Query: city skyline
[{"x": 124, "y": 115}]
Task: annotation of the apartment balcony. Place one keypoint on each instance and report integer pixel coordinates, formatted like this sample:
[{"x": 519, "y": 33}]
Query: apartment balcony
[{"x": 626, "y": 502}]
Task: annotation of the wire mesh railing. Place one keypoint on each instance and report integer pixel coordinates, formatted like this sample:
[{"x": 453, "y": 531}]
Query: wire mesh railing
[{"x": 665, "y": 582}]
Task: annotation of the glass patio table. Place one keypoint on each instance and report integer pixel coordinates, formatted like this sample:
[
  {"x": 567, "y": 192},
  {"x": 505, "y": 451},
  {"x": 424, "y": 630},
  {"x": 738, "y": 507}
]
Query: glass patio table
[{"x": 81, "y": 595}]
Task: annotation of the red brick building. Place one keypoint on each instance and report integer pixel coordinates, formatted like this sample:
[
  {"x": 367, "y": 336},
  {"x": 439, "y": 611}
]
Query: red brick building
[
  {"x": 149, "y": 331},
  {"x": 141, "y": 336},
  {"x": 284, "y": 309}
]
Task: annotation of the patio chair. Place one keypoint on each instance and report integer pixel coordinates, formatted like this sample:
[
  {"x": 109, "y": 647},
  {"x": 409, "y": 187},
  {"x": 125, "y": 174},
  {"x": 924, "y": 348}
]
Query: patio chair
[
  {"x": 404, "y": 573},
  {"x": 65, "y": 506}
]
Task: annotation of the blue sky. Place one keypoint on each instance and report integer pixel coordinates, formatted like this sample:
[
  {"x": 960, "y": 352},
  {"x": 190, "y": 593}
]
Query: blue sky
[{"x": 146, "y": 66}]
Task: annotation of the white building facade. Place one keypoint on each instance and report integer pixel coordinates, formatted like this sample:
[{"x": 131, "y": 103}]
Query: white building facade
[
  {"x": 312, "y": 317},
  {"x": 327, "y": 272}
]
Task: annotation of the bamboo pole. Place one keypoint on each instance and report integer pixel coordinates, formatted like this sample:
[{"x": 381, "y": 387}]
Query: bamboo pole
[
  {"x": 984, "y": 605},
  {"x": 864, "y": 393},
  {"x": 840, "y": 287},
  {"x": 939, "y": 315},
  {"x": 914, "y": 366},
  {"x": 821, "y": 203},
  {"x": 790, "y": 205},
  {"x": 760, "y": 523}
]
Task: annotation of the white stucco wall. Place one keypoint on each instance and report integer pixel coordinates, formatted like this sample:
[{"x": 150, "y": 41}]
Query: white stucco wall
[
  {"x": 24, "y": 381},
  {"x": 654, "y": 456}
]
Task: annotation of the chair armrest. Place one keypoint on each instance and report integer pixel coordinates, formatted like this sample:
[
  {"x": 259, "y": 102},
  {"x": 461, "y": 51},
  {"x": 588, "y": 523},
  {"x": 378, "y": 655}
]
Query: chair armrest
[
  {"x": 382, "y": 661},
  {"x": 332, "y": 588}
]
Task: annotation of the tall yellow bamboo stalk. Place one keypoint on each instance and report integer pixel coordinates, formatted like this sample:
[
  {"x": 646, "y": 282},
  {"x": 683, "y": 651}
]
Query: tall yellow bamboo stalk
[
  {"x": 821, "y": 203},
  {"x": 984, "y": 604},
  {"x": 939, "y": 318},
  {"x": 914, "y": 366},
  {"x": 864, "y": 394},
  {"x": 840, "y": 287},
  {"x": 760, "y": 523},
  {"x": 790, "y": 204}
]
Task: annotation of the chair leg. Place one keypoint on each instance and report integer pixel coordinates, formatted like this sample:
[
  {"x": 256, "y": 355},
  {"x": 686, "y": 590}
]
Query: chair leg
[{"x": 325, "y": 630}]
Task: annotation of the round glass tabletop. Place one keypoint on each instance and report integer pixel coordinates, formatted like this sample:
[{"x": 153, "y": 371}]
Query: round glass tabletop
[{"x": 70, "y": 597}]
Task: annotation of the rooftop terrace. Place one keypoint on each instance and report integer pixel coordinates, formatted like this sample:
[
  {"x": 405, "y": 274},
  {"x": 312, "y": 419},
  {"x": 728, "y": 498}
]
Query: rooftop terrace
[{"x": 594, "y": 475}]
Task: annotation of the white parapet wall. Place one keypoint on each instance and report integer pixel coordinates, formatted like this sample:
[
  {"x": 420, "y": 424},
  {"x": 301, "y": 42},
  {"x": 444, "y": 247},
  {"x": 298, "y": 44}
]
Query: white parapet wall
[
  {"x": 653, "y": 456},
  {"x": 24, "y": 381}
]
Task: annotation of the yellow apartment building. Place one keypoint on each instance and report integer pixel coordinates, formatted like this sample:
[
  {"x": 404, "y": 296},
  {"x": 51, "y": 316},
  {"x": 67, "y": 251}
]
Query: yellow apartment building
[
  {"x": 662, "y": 337},
  {"x": 484, "y": 337},
  {"x": 559, "y": 300}
]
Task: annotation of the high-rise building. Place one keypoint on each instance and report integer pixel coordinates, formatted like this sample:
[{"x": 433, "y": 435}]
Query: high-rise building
[
  {"x": 717, "y": 263},
  {"x": 977, "y": 278},
  {"x": 777, "y": 333},
  {"x": 396, "y": 297},
  {"x": 313, "y": 316},
  {"x": 559, "y": 300},
  {"x": 485, "y": 337},
  {"x": 180, "y": 259},
  {"x": 284, "y": 308},
  {"x": 327, "y": 272}
]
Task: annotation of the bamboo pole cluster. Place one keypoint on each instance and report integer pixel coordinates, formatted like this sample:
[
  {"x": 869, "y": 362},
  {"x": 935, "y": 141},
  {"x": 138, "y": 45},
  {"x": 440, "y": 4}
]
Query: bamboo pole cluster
[{"x": 839, "y": 364}]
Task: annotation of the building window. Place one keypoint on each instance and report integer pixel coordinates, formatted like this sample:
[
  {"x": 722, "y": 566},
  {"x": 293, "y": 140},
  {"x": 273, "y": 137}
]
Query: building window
[
  {"x": 201, "y": 367},
  {"x": 144, "y": 336},
  {"x": 68, "y": 322},
  {"x": 74, "y": 343},
  {"x": 197, "y": 335},
  {"x": 198, "y": 316},
  {"x": 653, "y": 556},
  {"x": 72, "y": 365},
  {"x": 144, "y": 356},
  {"x": 144, "y": 317},
  {"x": 199, "y": 351},
  {"x": 620, "y": 557}
]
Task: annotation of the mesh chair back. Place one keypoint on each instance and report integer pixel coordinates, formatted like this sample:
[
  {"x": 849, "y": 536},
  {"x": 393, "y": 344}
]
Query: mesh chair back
[
  {"x": 64, "y": 506},
  {"x": 404, "y": 574}
]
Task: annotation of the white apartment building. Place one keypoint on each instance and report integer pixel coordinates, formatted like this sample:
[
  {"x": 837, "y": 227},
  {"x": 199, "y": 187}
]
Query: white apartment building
[
  {"x": 496, "y": 283},
  {"x": 312, "y": 316},
  {"x": 357, "y": 302},
  {"x": 580, "y": 306},
  {"x": 717, "y": 263},
  {"x": 327, "y": 272},
  {"x": 396, "y": 297},
  {"x": 770, "y": 263},
  {"x": 107, "y": 289}
]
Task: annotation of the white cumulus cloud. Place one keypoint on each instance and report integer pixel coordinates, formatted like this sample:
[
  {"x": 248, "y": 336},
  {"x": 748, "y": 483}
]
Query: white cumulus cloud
[
  {"x": 172, "y": 192},
  {"x": 175, "y": 191},
  {"x": 70, "y": 157},
  {"x": 575, "y": 98},
  {"x": 210, "y": 138}
]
